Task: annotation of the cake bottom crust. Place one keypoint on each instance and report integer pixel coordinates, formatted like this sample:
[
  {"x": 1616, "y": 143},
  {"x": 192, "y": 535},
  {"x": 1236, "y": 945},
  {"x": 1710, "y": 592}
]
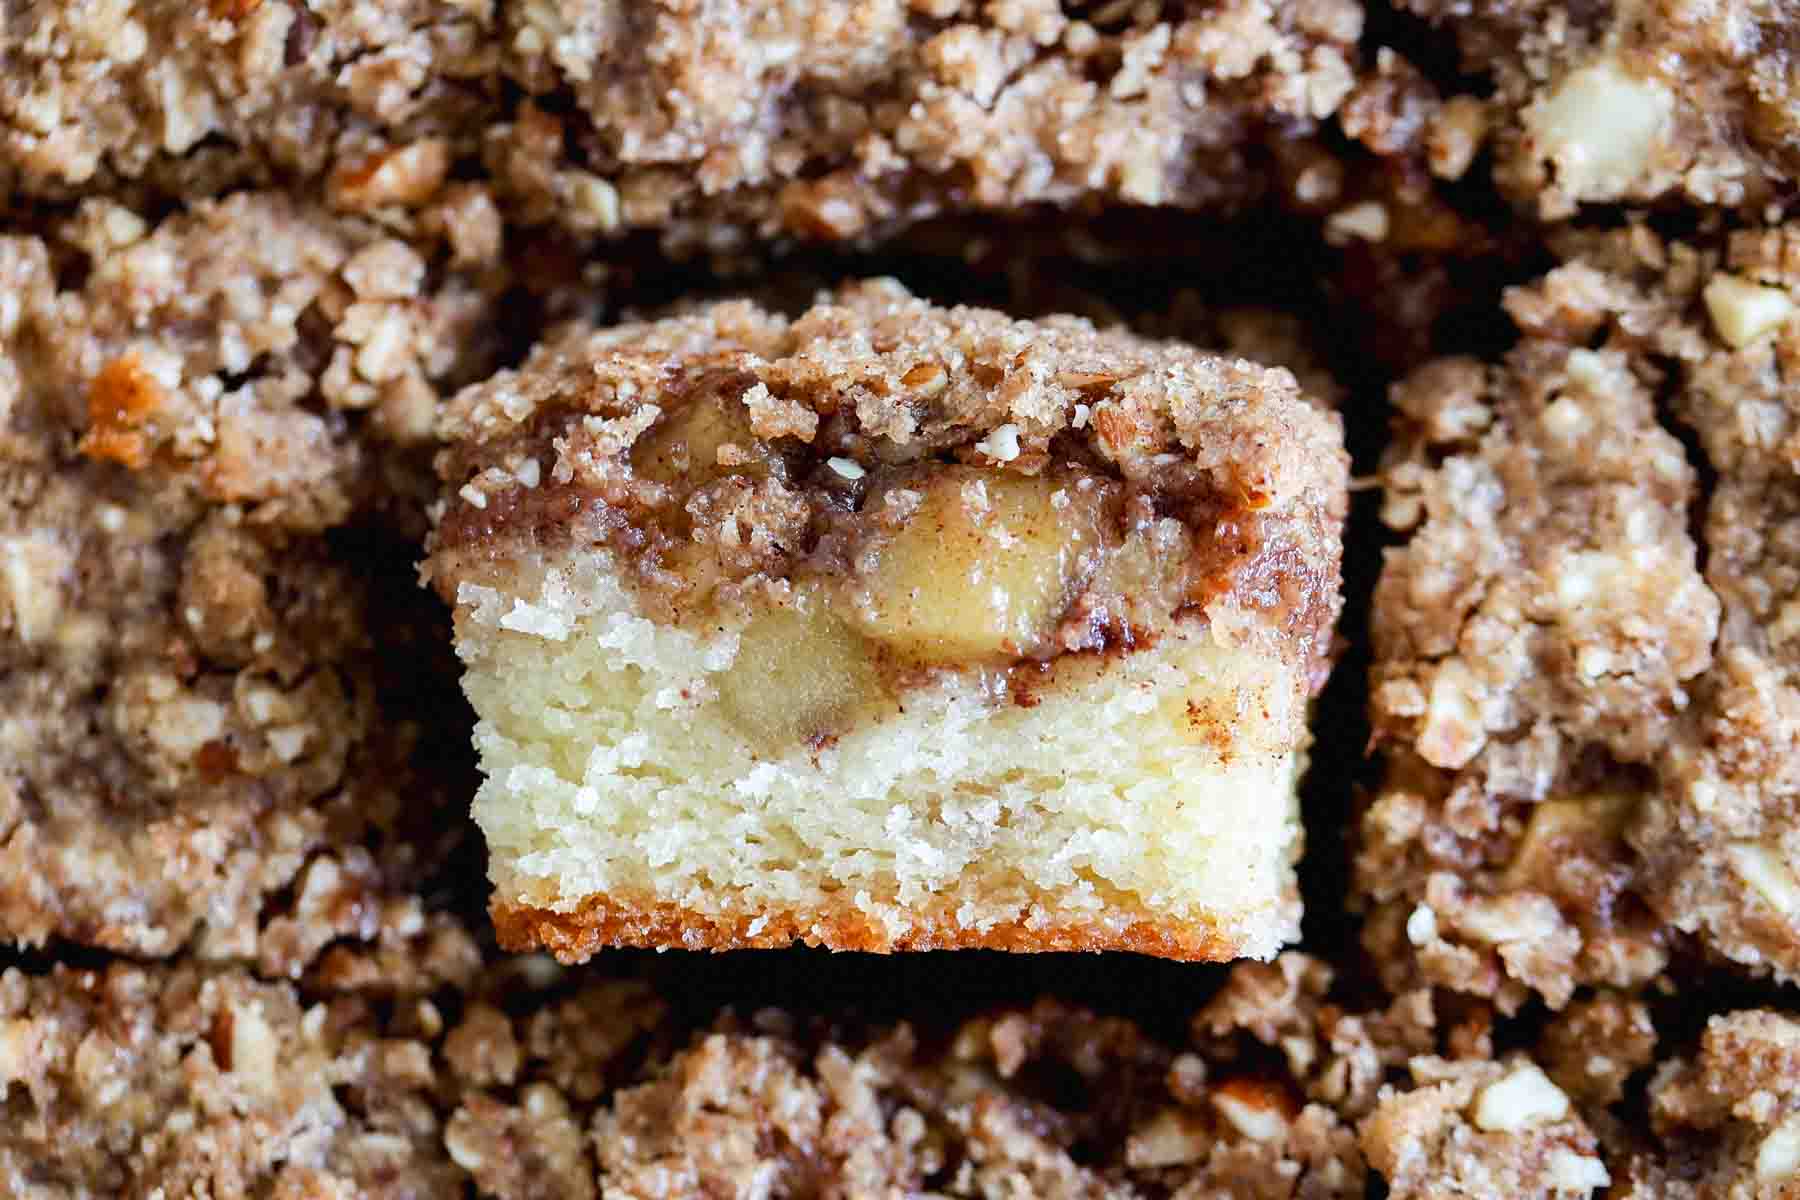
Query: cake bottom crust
[{"x": 601, "y": 921}]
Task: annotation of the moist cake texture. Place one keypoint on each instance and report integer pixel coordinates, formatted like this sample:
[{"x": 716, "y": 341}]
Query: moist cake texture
[{"x": 890, "y": 627}]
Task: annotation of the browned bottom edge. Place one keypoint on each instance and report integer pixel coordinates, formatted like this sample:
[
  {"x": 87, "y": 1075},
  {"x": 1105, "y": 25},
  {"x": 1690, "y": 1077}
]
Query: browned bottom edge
[{"x": 599, "y": 922}]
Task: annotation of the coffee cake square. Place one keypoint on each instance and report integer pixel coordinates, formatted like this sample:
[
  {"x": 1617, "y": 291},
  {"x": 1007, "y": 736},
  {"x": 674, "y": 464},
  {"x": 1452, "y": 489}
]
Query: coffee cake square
[{"x": 890, "y": 627}]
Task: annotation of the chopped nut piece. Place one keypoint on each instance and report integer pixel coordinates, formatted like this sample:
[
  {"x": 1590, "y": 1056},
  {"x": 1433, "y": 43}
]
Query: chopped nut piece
[
  {"x": 1171, "y": 1138},
  {"x": 1522, "y": 1099},
  {"x": 1457, "y": 133},
  {"x": 1367, "y": 221},
  {"x": 1599, "y": 127},
  {"x": 1260, "y": 1111},
  {"x": 1743, "y": 311},
  {"x": 408, "y": 176},
  {"x": 1773, "y": 880},
  {"x": 1778, "y": 1155}
]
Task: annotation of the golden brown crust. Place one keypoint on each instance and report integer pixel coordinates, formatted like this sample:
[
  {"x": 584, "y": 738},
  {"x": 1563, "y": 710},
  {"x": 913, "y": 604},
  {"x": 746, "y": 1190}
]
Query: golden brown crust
[
  {"x": 601, "y": 921},
  {"x": 871, "y": 372}
]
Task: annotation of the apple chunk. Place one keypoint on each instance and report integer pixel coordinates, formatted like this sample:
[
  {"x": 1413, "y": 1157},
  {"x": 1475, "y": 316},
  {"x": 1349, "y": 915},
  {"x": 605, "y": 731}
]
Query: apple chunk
[
  {"x": 800, "y": 674},
  {"x": 684, "y": 445},
  {"x": 983, "y": 565}
]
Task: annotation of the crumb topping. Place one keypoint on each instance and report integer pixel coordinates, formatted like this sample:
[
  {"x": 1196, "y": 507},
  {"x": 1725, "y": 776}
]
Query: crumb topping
[
  {"x": 196, "y": 715},
  {"x": 1536, "y": 640},
  {"x": 252, "y": 248},
  {"x": 896, "y": 463},
  {"x": 1633, "y": 103},
  {"x": 1637, "y": 792},
  {"x": 1725, "y": 1113},
  {"x": 827, "y": 120}
]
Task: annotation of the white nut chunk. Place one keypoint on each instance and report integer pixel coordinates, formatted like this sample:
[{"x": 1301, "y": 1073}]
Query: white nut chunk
[
  {"x": 1256, "y": 1110},
  {"x": 1778, "y": 1157},
  {"x": 1743, "y": 311},
  {"x": 1169, "y": 1139},
  {"x": 1771, "y": 878},
  {"x": 1524, "y": 1098},
  {"x": 1600, "y": 128}
]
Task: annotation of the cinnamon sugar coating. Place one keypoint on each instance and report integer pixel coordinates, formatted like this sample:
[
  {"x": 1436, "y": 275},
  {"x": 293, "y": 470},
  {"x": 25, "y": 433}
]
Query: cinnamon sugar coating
[
  {"x": 193, "y": 99},
  {"x": 184, "y": 1079},
  {"x": 874, "y": 376}
]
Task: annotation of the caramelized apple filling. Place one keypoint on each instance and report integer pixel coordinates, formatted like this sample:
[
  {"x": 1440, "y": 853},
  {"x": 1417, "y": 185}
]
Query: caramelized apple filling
[
  {"x": 849, "y": 580},
  {"x": 801, "y": 674},
  {"x": 960, "y": 563},
  {"x": 699, "y": 442}
]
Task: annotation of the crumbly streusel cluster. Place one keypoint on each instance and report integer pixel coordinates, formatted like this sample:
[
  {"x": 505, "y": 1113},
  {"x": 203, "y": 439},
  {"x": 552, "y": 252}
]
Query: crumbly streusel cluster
[{"x": 1581, "y": 662}]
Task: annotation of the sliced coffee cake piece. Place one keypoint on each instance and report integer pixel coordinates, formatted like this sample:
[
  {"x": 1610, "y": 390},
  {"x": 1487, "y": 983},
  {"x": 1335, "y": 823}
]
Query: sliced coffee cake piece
[{"x": 890, "y": 627}]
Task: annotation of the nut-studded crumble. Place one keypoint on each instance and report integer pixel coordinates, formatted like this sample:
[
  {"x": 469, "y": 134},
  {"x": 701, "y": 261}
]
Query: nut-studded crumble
[
  {"x": 194, "y": 710},
  {"x": 713, "y": 127},
  {"x": 526, "y": 1081},
  {"x": 1725, "y": 1115},
  {"x": 1535, "y": 639},
  {"x": 1584, "y": 668},
  {"x": 1601, "y": 104}
]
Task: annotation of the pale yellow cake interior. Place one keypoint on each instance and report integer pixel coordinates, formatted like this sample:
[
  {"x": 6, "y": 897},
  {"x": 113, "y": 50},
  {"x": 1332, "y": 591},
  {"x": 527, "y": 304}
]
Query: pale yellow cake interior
[{"x": 655, "y": 763}]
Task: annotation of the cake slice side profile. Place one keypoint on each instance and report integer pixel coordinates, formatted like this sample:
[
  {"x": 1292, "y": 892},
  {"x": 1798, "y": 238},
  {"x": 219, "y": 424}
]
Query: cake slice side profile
[{"x": 890, "y": 627}]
